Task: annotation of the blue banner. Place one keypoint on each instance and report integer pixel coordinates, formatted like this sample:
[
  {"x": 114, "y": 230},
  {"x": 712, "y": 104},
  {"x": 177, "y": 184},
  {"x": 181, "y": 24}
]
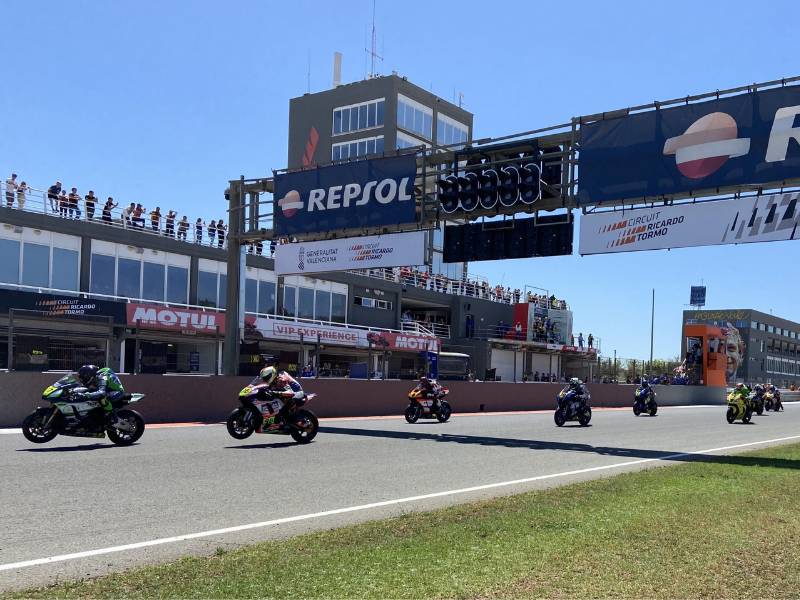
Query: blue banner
[
  {"x": 751, "y": 138},
  {"x": 366, "y": 193}
]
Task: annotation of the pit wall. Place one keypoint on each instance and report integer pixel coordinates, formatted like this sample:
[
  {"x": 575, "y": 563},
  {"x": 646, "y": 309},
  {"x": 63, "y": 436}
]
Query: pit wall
[{"x": 178, "y": 399}]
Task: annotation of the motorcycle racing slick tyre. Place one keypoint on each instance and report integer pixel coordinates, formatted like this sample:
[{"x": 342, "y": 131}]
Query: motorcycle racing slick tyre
[
  {"x": 239, "y": 427},
  {"x": 413, "y": 413},
  {"x": 444, "y": 412},
  {"x": 730, "y": 416},
  {"x": 585, "y": 417},
  {"x": 559, "y": 418},
  {"x": 652, "y": 410},
  {"x": 748, "y": 414},
  {"x": 126, "y": 438},
  {"x": 309, "y": 429},
  {"x": 32, "y": 426},
  {"x": 637, "y": 410}
]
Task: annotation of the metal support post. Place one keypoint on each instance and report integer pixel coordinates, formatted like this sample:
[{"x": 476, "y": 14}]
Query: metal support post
[
  {"x": 230, "y": 364},
  {"x": 10, "y": 339}
]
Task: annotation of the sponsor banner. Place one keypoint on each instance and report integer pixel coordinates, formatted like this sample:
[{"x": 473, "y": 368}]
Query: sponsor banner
[
  {"x": 277, "y": 329},
  {"x": 392, "y": 250},
  {"x": 365, "y": 193},
  {"x": 773, "y": 217},
  {"x": 48, "y": 305},
  {"x": 390, "y": 340},
  {"x": 186, "y": 321},
  {"x": 743, "y": 139}
]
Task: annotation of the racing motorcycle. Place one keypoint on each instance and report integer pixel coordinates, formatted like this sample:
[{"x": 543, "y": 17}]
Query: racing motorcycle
[
  {"x": 739, "y": 409},
  {"x": 644, "y": 400},
  {"x": 260, "y": 412},
  {"x": 772, "y": 401},
  {"x": 69, "y": 414},
  {"x": 422, "y": 407},
  {"x": 571, "y": 407},
  {"x": 757, "y": 402}
]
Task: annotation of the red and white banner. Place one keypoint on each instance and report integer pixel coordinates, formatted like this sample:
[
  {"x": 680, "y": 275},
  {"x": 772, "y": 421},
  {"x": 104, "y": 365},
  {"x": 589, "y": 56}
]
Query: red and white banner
[
  {"x": 277, "y": 329},
  {"x": 182, "y": 320}
]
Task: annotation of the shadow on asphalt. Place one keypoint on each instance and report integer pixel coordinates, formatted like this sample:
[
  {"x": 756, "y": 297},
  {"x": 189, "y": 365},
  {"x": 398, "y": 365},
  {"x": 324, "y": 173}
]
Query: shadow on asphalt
[
  {"x": 82, "y": 448},
  {"x": 630, "y": 453},
  {"x": 270, "y": 445}
]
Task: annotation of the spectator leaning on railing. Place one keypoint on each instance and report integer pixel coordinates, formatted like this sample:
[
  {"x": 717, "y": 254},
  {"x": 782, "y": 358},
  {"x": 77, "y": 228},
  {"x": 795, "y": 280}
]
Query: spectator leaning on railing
[{"x": 11, "y": 188}]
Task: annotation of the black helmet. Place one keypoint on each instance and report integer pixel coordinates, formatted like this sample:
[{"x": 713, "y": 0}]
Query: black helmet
[{"x": 87, "y": 374}]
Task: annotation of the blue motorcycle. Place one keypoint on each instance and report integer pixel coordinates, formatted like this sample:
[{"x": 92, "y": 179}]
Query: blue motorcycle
[
  {"x": 572, "y": 407},
  {"x": 644, "y": 400}
]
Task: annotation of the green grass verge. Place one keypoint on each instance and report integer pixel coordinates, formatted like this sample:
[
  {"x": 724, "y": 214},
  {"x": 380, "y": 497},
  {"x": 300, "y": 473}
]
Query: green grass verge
[{"x": 719, "y": 527}]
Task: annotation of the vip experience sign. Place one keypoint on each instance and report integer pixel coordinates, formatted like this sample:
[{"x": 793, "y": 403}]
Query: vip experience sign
[
  {"x": 392, "y": 250},
  {"x": 768, "y": 218},
  {"x": 365, "y": 193}
]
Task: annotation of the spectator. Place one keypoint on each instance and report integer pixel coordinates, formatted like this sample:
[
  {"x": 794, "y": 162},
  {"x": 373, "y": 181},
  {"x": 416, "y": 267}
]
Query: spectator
[
  {"x": 169, "y": 221},
  {"x": 272, "y": 245},
  {"x": 155, "y": 219},
  {"x": 52, "y": 195},
  {"x": 212, "y": 232},
  {"x": 127, "y": 214},
  {"x": 73, "y": 207},
  {"x": 138, "y": 216},
  {"x": 572, "y": 336},
  {"x": 198, "y": 231},
  {"x": 536, "y": 376},
  {"x": 107, "y": 208},
  {"x": 220, "y": 233},
  {"x": 11, "y": 189},
  {"x": 259, "y": 248},
  {"x": 89, "y": 202},
  {"x": 183, "y": 226},
  {"x": 21, "y": 189},
  {"x": 590, "y": 341},
  {"x": 63, "y": 203},
  {"x": 580, "y": 341},
  {"x": 518, "y": 330},
  {"x": 470, "y": 325}
]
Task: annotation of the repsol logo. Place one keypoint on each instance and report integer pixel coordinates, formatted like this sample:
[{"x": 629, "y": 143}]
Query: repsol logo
[{"x": 382, "y": 191}]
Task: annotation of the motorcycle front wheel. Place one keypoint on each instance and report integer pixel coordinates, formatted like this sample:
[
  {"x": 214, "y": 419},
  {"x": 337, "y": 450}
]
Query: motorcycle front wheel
[
  {"x": 444, "y": 412},
  {"x": 760, "y": 410},
  {"x": 559, "y": 417},
  {"x": 134, "y": 428},
  {"x": 33, "y": 426},
  {"x": 637, "y": 409},
  {"x": 240, "y": 424},
  {"x": 307, "y": 426},
  {"x": 730, "y": 416},
  {"x": 413, "y": 413}
]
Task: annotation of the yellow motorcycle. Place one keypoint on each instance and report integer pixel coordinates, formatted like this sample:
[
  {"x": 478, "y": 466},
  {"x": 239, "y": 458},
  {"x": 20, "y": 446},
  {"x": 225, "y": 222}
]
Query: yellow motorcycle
[{"x": 739, "y": 407}]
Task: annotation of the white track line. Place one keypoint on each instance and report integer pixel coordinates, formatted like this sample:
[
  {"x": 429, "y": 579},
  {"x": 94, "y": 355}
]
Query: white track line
[{"x": 362, "y": 507}]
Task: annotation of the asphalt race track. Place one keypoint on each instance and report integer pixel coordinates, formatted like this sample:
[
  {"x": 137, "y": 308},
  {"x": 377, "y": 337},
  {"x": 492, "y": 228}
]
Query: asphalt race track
[{"x": 76, "y": 496}]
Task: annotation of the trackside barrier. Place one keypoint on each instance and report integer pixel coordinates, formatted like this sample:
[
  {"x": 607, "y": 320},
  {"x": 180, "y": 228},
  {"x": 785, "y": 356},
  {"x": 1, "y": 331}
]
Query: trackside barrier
[{"x": 178, "y": 399}]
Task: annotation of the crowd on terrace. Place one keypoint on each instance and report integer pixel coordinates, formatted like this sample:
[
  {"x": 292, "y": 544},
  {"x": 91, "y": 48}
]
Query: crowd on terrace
[{"x": 56, "y": 200}]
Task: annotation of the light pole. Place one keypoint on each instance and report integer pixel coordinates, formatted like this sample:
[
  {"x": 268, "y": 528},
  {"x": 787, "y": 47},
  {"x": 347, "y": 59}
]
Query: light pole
[{"x": 652, "y": 326}]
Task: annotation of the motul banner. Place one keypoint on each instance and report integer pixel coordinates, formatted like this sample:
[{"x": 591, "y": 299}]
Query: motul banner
[
  {"x": 390, "y": 340},
  {"x": 182, "y": 320},
  {"x": 392, "y": 250},
  {"x": 768, "y": 218}
]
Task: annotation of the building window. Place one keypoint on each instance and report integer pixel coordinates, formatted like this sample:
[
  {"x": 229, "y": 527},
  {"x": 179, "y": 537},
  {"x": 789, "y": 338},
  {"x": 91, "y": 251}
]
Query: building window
[
  {"x": 305, "y": 303},
  {"x": 223, "y": 290},
  {"x": 207, "y": 289},
  {"x": 9, "y": 266},
  {"x": 407, "y": 141},
  {"x": 177, "y": 285},
  {"x": 153, "y": 281},
  {"x": 357, "y": 148},
  {"x": 250, "y": 295},
  {"x": 414, "y": 117},
  {"x": 266, "y": 297},
  {"x": 65, "y": 269},
  {"x": 357, "y": 117},
  {"x": 372, "y": 303},
  {"x": 322, "y": 305},
  {"x": 449, "y": 131},
  {"x": 129, "y": 276},
  {"x": 338, "y": 308},
  {"x": 289, "y": 300},
  {"x": 36, "y": 265},
  {"x": 102, "y": 274}
]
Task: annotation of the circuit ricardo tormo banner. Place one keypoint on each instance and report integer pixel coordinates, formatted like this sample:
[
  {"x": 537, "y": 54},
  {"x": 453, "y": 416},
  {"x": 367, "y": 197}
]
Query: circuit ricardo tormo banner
[
  {"x": 391, "y": 250},
  {"x": 768, "y": 218}
]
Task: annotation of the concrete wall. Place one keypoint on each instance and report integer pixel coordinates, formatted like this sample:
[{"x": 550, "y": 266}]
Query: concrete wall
[{"x": 210, "y": 399}]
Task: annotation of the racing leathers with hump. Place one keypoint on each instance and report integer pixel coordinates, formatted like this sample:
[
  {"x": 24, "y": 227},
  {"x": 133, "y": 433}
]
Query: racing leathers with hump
[
  {"x": 102, "y": 385},
  {"x": 283, "y": 386}
]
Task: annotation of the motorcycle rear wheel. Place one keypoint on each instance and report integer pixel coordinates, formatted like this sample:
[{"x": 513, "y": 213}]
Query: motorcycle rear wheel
[
  {"x": 309, "y": 432},
  {"x": 126, "y": 438},
  {"x": 585, "y": 416},
  {"x": 652, "y": 410},
  {"x": 238, "y": 425},
  {"x": 559, "y": 417},
  {"x": 32, "y": 426},
  {"x": 730, "y": 416},
  {"x": 748, "y": 414},
  {"x": 444, "y": 412},
  {"x": 413, "y": 413}
]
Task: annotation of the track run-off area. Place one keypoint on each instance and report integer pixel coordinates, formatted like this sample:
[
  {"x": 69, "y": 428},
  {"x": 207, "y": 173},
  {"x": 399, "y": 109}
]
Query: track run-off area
[{"x": 79, "y": 507}]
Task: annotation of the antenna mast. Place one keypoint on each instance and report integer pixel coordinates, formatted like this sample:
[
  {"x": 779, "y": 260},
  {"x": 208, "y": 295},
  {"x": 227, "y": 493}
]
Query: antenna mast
[{"x": 373, "y": 51}]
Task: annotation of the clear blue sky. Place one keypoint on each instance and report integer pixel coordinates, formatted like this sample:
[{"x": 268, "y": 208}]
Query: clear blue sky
[{"x": 163, "y": 102}]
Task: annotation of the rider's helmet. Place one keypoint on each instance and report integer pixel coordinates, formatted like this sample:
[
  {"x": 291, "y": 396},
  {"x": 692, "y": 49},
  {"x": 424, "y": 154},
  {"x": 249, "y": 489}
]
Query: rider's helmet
[
  {"x": 759, "y": 388},
  {"x": 87, "y": 374},
  {"x": 574, "y": 382},
  {"x": 268, "y": 375},
  {"x": 645, "y": 383},
  {"x": 739, "y": 387}
]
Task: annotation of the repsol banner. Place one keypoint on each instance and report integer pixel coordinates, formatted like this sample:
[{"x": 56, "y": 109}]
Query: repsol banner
[
  {"x": 768, "y": 218},
  {"x": 748, "y": 138},
  {"x": 365, "y": 193},
  {"x": 392, "y": 250}
]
